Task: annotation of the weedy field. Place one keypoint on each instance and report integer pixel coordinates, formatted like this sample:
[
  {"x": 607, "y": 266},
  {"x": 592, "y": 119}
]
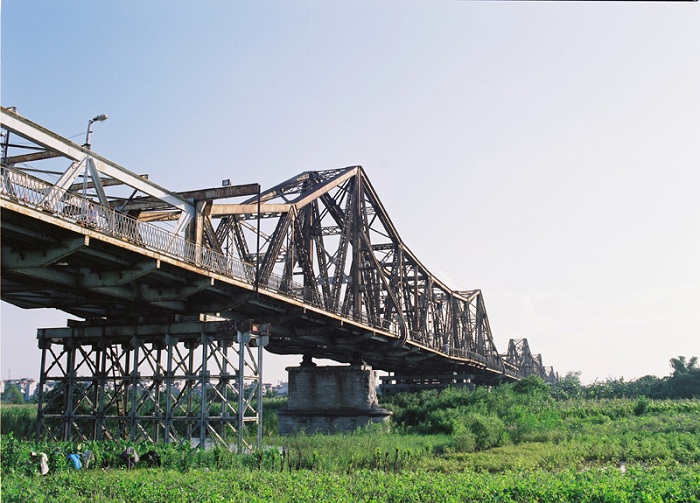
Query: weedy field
[{"x": 517, "y": 443}]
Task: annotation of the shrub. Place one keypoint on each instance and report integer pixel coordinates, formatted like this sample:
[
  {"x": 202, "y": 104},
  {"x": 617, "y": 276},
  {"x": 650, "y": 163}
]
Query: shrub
[
  {"x": 531, "y": 385},
  {"x": 464, "y": 442},
  {"x": 489, "y": 431},
  {"x": 642, "y": 406}
]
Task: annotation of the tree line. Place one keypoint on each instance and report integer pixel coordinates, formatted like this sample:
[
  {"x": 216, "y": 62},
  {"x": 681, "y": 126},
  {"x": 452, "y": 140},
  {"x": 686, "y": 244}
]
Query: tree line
[{"x": 682, "y": 382}]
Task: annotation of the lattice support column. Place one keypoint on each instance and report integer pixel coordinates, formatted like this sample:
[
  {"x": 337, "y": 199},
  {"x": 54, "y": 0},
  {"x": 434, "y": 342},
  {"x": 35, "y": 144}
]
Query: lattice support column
[{"x": 198, "y": 383}]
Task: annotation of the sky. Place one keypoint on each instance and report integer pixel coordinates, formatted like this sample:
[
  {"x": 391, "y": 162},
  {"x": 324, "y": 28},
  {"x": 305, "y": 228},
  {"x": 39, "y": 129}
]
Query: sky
[{"x": 547, "y": 153}]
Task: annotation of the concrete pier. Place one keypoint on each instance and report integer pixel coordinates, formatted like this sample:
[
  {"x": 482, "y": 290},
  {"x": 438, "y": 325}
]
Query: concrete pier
[{"x": 331, "y": 399}]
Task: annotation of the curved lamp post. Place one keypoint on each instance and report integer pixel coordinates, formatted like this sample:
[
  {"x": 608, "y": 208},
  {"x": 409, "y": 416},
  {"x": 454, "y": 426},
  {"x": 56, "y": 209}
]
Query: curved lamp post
[{"x": 97, "y": 118}]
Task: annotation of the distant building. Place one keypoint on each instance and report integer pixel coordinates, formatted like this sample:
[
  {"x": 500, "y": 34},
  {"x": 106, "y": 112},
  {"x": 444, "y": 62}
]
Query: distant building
[
  {"x": 282, "y": 389},
  {"x": 26, "y": 386}
]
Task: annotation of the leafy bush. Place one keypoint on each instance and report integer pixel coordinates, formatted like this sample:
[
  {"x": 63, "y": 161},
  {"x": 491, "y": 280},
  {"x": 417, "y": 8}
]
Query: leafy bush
[
  {"x": 531, "y": 385},
  {"x": 488, "y": 430},
  {"x": 642, "y": 406}
]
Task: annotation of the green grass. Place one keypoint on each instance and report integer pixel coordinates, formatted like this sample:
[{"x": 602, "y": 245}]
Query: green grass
[
  {"x": 638, "y": 484},
  {"x": 20, "y": 420},
  {"x": 455, "y": 446}
]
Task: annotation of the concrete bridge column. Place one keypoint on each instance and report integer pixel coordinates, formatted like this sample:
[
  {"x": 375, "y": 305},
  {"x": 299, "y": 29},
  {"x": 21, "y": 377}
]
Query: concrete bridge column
[{"x": 331, "y": 399}]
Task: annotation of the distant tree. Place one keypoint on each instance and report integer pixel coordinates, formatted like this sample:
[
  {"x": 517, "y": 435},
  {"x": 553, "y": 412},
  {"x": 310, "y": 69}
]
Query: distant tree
[
  {"x": 684, "y": 381},
  {"x": 610, "y": 388},
  {"x": 12, "y": 394},
  {"x": 680, "y": 366},
  {"x": 648, "y": 386},
  {"x": 567, "y": 387}
]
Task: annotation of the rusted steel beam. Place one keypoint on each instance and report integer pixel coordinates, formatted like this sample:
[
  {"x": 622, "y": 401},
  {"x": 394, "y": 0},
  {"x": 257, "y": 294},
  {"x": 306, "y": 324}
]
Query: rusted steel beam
[
  {"x": 208, "y": 195},
  {"x": 36, "y": 156},
  {"x": 221, "y": 192}
]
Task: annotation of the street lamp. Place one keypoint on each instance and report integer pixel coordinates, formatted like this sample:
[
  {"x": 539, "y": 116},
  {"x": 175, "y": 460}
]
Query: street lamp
[{"x": 97, "y": 118}]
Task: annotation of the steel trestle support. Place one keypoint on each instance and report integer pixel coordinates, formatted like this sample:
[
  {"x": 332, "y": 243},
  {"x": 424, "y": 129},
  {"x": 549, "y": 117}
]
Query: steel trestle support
[{"x": 202, "y": 388}]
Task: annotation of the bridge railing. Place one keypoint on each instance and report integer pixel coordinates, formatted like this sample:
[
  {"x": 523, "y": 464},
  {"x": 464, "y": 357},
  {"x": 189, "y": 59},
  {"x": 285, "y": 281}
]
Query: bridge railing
[{"x": 34, "y": 192}]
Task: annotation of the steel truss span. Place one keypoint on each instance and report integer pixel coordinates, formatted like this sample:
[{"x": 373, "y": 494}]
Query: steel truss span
[{"x": 317, "y": 257}]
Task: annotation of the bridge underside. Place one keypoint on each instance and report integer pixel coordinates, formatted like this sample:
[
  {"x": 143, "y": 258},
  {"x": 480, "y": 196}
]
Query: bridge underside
[{"x": 117, "y": 288}]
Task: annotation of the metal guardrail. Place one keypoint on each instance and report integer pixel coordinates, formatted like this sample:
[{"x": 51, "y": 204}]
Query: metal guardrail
[{"x": 33, "y": 192}]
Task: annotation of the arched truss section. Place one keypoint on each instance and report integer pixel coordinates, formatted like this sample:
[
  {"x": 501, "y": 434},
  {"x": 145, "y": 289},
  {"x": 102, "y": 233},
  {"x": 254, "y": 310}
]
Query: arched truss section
[
  {"x": 325, "y": 236},
  {"x": 520, "y": 356}
]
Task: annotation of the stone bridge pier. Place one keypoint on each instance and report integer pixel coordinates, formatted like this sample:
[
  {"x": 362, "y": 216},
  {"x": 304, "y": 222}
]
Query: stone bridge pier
[{"x": 331, "y": 399}]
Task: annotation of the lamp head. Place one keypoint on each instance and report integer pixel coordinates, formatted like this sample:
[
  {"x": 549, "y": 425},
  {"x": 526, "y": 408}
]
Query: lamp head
[{"x": 99, "y": 118}]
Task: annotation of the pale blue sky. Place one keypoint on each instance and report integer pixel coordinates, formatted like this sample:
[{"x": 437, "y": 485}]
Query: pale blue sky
[{"x": 547, "y": 153}]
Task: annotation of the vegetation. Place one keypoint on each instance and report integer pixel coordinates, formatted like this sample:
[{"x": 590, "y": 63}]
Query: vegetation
[
  {"x": 683, "y": 382},
  {"x": 18, "y": 420},
  {"x": 148, "y": 486},
  {"x": 12, "y": 394},
  {"x": 524, "y": 442}
]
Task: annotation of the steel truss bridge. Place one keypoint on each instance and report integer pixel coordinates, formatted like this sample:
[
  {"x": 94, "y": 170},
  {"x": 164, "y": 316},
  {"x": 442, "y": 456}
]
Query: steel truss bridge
[{"x": 161, "y": 281}]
